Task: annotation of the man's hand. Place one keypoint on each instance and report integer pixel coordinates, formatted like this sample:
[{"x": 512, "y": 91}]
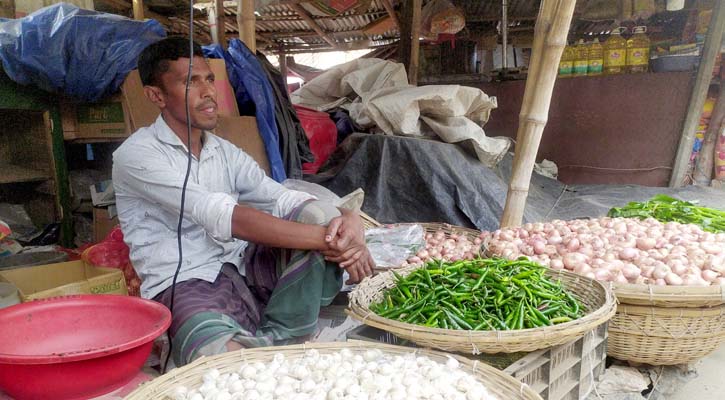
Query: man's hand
[{"x": 346, "y": 238}]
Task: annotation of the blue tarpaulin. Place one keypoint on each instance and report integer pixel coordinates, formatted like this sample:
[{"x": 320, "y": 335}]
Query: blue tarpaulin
[
  {"x": 255, "y": 96},
  {"x": 81, "y": 53}
]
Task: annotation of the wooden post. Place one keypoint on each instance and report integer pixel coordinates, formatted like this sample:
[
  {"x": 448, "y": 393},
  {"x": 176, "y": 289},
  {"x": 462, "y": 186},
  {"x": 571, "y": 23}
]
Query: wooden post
[
  {"x": 283, "y": 63},
  {"x": 246, "y": 22},
  {"x": 699, "y": 92},
  {"x": 220, "y": 23},
  {"x": 138, "y": 10},
  {"x": 552, "y": 28},
  {"x": 406, "y": 17},
  {"x": 414, "y": 43},
  {"x": 705, "y": 163}
]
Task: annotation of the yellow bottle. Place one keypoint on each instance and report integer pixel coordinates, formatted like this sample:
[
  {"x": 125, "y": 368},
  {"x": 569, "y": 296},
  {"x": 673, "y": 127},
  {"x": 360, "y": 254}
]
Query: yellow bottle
[
  {"x": 615, "y": 53},
  {"x": 596, "y": 58},
  {"x": 581, "y": 61},
  {"x": 566, "y": 64},
  {"x": 638, "y": 51}
]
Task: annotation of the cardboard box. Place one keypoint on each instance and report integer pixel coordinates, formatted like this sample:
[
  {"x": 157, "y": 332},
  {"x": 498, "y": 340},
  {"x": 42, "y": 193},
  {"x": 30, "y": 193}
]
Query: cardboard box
[
  {"x": 108, "y": 119},
  {"x": 62, "y": 279},
  {"x": 103, "y": 223},
  {"x": 143, "y": 112},
  {"x": 243, "y": 132}
]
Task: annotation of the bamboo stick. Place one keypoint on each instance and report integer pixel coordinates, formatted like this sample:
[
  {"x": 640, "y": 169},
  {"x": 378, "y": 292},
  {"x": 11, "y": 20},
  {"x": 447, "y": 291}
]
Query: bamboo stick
[
  {"x": 138, "y": 10},
  {"x": 552, "y": 28},
  {"x": 704, "y": 166},
  {"x": 219, "y": 24},
  {"x": 699, "y": 92}
]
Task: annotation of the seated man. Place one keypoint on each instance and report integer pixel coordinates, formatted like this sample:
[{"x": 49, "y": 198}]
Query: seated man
[{"x": 257, "y": 260}]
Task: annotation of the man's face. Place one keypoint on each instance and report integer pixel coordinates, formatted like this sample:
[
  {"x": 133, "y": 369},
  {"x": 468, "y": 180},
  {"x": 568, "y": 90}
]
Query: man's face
[{"x": 202, "y": 94}]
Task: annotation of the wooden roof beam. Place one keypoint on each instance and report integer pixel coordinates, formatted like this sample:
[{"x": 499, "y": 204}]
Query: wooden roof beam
[
  {"x": 391, "y": 12},
  {"x": 311, "y": 22}
]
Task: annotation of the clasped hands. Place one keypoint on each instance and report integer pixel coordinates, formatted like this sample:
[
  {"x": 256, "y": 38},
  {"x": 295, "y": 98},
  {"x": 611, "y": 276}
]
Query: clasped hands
[{"x": 345, "y": 238}]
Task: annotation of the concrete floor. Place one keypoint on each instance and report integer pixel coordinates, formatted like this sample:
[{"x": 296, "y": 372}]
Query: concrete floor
[{"x": 710, "y": 382}]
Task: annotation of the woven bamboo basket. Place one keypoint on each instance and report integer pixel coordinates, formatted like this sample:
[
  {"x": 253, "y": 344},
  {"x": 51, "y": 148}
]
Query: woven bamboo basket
[
  {"x": 670, "y": 296},
  {"x": 503, "y": 386},
  {"x": 665, "y": 336},
  {"x": 598, "y": 299}
]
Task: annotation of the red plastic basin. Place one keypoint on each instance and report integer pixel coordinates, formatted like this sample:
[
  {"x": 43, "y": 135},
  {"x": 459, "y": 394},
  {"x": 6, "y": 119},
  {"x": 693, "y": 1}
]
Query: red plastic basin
[{"x": 76, "y": 347}]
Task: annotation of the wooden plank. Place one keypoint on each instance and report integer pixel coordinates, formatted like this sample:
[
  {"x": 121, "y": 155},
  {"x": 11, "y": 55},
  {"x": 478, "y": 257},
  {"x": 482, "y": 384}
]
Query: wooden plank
[
  {"x": 699, "y": 93},
  {"x": 138, "y": 10},
  {"x": 391, "y": 12},
  {"x": 380, "y": 26},
  {"x": 312, "y": 24},
  {"x": 406, "y": 17},
  {"x": 705, "y": 163},
  {"x": 283, "y": 63},
  {"x": 415, "y": 43}
]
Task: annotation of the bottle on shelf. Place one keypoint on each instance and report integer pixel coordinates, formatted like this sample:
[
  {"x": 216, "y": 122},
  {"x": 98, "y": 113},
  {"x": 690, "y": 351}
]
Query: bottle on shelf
[
  {"x": 566, "y": 64},
  {"x": 615, "y": 53},
  {"x": 595, "y": 64},
  {"x": 638, "y": 51},
  {"x": 581, "y": 60}
]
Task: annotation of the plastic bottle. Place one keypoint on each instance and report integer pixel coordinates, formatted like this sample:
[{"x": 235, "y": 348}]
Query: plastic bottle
[
  {"x": 615, "y": 53},
  {"x": 566, "y": 64},
  {"x": 581, "y": 60},
  {"x": 638, "y": 51},
  {"x": 595, "y": 65}
]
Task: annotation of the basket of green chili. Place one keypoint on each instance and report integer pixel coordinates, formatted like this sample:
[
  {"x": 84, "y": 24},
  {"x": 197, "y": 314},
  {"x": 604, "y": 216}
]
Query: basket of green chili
[{"x": 483, "y": 305}]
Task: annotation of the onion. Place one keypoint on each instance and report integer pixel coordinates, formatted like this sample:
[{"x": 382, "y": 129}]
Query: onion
[
  {"x": 628, "y": 253},
  {"x": 602, "y": 275},
  {"x": 582, "y": 269},
  {"x": 423, "y": 254},
  {"x": 673, "y": 279},
  {"x": 646, "y": 243},
  {"x": 660, "y": 272},
  {"x": 556, "y": 264},
  {"x": 709, "y": 276},
  {"x": 573, "y": 260}
]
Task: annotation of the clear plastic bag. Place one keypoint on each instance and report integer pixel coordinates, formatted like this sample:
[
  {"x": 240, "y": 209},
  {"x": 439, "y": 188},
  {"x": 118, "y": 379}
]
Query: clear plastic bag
[{"x": 390, "y": 246}]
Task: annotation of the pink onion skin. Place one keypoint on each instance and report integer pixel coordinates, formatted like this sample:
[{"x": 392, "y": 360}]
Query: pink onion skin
[{"x": 673, "y": 279}]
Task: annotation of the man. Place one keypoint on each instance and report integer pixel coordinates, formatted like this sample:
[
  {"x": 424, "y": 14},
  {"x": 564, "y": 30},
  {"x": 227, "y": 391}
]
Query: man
[{"x": 257, "y": 260}]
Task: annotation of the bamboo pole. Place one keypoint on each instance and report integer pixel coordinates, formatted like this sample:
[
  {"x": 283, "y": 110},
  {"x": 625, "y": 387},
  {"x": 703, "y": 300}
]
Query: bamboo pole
[
  {"x": 552, "y": 27},
  {"x": 699, "y": 92},
  {"x": 504, "y": 34},
  {"x": 704, "y": 166},
  {"x": 391, "y": 11},
  {"x": 283, "y": 64},
  {"x": 414, "y": 43},
  {"x": 247, "y": 24},
  {"x": 138, "y": 10}
]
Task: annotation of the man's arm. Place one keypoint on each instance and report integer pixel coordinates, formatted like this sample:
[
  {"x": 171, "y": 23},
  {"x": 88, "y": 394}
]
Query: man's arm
[{"x": 259, "y": 227}]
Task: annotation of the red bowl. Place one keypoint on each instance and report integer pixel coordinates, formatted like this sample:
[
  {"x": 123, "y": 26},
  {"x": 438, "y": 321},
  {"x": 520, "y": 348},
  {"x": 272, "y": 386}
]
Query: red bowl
[{"x": 76, "y": 347}]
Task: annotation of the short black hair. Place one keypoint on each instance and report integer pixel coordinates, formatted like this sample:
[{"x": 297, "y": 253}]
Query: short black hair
[{"x": 154, "y": 59}]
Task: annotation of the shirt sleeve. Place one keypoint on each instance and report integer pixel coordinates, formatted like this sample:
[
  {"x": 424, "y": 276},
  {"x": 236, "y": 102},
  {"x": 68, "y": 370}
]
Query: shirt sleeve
[
  {"x": 257, "y": 190},
  {"x": 138, "y": 173}
]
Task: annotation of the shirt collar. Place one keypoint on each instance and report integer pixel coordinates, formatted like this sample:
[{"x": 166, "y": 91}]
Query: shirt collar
[{"x": 165, "y": 134}]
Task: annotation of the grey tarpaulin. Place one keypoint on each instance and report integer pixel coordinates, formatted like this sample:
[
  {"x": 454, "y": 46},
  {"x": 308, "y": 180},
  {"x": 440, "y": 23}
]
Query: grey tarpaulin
[{"x": 420, "y": 180}]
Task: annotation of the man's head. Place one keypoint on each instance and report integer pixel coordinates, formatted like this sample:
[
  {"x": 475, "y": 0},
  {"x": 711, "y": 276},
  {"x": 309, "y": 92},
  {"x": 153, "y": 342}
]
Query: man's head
[{"x": 164, "y": 67}]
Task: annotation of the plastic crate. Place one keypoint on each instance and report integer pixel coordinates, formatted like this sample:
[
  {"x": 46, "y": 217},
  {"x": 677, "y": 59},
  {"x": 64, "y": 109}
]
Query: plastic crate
[{"x": 565, "y": 372}]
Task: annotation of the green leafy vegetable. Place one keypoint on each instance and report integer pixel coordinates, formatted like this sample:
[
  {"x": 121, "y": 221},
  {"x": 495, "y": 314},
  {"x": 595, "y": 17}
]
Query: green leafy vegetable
[{"x": 668, "y": 209}]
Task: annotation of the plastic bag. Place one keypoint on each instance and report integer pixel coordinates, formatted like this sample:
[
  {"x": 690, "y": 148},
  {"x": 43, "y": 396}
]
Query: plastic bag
[
  {"x": 390, "y": 246},
  {"x": 441, "y": 17},
  {"x": 112, "y": 252},
  {"x": 84, "y": 54}
]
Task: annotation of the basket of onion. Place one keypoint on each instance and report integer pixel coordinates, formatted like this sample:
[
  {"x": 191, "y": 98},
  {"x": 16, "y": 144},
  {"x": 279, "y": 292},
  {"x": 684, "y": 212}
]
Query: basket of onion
[
  {"x": 327, "y": 371},
  {"x": 669, "y": 279}
]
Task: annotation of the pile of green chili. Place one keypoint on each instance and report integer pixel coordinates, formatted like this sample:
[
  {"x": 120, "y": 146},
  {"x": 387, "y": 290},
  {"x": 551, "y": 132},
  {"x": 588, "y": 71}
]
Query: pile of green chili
[{"x": 480, "y": 294}]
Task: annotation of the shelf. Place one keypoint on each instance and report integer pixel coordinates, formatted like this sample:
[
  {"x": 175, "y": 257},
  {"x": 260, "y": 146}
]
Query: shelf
[{"x": 10, "y": 173}]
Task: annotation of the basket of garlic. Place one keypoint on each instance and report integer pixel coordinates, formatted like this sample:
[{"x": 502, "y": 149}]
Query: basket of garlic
[
  {"x": 557, "y": 311},
  {"x": 331, "y": 371},
  {"x": 669, "y": 279}
]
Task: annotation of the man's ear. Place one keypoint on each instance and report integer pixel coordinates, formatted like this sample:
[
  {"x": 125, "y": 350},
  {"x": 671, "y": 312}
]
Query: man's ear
[{"x": 155, "y": 95}]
